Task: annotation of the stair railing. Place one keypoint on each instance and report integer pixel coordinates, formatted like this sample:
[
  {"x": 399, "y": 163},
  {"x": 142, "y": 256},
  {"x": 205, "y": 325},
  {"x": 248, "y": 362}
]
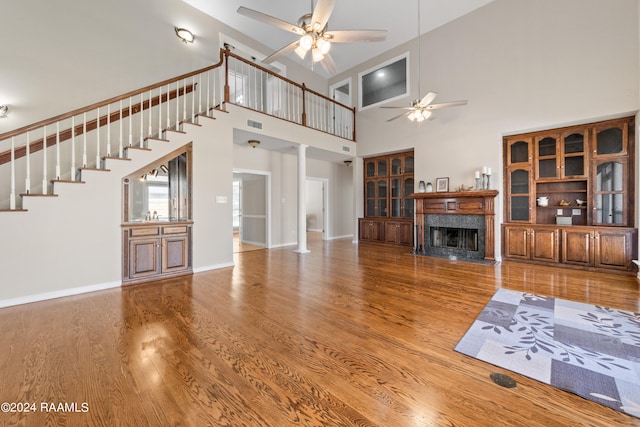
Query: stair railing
[{"x": 57, "y": 149}]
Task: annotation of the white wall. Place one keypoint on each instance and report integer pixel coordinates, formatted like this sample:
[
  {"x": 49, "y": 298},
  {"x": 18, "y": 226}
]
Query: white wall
[
  {"x": 314, "y": 204},
  {"x": 523, "y": 65}
]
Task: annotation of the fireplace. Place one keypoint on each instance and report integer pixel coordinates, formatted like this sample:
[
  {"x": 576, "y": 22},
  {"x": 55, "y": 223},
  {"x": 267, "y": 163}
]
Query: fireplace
[
  {"x": 456, "y": 225},
  {"x": 454, "y": 236}
]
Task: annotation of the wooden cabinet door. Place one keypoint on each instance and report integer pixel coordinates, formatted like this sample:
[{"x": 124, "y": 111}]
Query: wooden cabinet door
[
  {"x": 516, "y": 242},
  {"x": 613, "y": 249},
  {"x": 144, "y": 257},
  {"x": 545, "y": 245},
  {"x": 577, "y": 247},
  {"x": 399, "y": 233},
  {"x": 372, "y": 231},
  {"x": 175, "y": 254}
]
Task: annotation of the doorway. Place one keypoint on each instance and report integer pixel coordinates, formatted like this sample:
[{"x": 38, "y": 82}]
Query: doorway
[
  {"x": 251, "y": 208},
  {"x": 342, "y": 119},
  {"x": 317, "y": 207}
]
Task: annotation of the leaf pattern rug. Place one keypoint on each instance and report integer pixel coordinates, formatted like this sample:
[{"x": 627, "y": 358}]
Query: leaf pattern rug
[{"x": 589, "y": 350}]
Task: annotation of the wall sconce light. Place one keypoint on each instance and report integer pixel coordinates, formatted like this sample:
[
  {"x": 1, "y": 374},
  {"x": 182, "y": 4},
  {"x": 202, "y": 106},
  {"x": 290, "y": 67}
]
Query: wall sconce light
[
  {"x": 185, "y": 35},
  {"x": 253, "y": 143},
  {"x": 4, "y": 109},
  {"x": 348, "y": 162}
]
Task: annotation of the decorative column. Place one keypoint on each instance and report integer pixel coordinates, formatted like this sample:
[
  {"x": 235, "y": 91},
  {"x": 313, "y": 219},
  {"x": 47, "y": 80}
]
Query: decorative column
[{"x": 302, "y": 199}]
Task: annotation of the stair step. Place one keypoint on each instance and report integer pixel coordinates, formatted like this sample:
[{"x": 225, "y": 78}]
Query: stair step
[
  {"x": 115, "y": 158},
  {"x": 68, "y": 181},
  {"x": 37, "y": 195},
  {"x": 95, "y": 169},
  {"x": 138, "y": 148},
  {"x": 13, "y": 210}
]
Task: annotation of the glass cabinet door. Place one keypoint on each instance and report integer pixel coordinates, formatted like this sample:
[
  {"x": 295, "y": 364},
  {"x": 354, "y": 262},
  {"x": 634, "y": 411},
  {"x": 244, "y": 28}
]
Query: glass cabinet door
[
  {"x": 370, "y": 198},
  {"x": 573, "y": 151},
  {"x": 396, "y": 198},
  {"x": 381, "y": 167},
  {"x": 370, "y": 169},
  {"x": 408, "y": 202},
  {"x": 382, "y": 197},
  {"x": 547, "y": 154},
  {"x": 519, "y": 151},
  {"x": 408, "y": 164},
  {"x": 520, "y": 198},
  {"x": 609, "y": 191},
  {"x": 610, "y": 141}
]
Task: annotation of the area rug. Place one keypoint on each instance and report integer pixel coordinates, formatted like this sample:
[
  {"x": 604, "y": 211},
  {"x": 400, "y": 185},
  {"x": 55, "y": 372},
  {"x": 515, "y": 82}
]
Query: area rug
[{"x": 589, "y": 350}]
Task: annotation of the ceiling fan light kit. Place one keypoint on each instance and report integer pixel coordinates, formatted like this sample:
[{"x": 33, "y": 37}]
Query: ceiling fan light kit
[{"x": 314, "y": 36}]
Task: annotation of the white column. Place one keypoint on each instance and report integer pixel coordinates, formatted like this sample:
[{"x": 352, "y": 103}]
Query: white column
[{"x": 302, "y": 200}]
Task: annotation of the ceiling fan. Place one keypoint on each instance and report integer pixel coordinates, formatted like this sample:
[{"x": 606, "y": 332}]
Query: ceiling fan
[
  {"x": 420, "y": 109},
  {"x": 314, "y": 36}
]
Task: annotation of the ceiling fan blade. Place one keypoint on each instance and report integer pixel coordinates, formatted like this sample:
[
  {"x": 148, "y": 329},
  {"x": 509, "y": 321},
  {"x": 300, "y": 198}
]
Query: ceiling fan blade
[
  {"x": 446, "y": 105},
  {"x": 398, "y": 116},
  {"x": 328, "y": 64},
  {"x": 321, "y": 14},
  {"x": 283, "y": 51},
  {"x": 346, "y": 36},
  {"x": 267, "y": 19},
  {"x": 428, "y": 99},
  {"x": 400, "y": 108}
]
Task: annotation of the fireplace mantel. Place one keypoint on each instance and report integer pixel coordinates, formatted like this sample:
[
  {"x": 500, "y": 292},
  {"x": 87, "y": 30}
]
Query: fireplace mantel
[{"x": 479, "y": 202}]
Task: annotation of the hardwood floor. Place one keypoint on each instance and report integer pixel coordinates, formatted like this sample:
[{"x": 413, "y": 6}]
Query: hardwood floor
[{"x": 345, "y": 335}]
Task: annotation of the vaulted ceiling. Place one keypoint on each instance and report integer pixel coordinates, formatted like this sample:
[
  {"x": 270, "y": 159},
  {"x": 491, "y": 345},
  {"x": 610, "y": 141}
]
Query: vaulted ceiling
[{"x": 400, "y": 19}]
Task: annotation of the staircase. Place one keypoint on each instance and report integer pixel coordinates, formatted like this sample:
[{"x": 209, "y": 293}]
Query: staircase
[{"x": 61, "y": 179}]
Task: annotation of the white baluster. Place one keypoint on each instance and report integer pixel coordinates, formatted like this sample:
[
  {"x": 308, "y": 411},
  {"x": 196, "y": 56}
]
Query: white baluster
[
  {"x": 109, "y": 130},
  {"x": 73, "y": 148},
  {"x": 58, "y": 150},
  {"x": 12, "y": 196},
  {"x": 184, "y": 101},
  {"x": 200, "y": 93},
  {"x": 206, "y": 113},
  {"x": 27, "y": 180},
  {"x": 130, "y": 122},
  {"x": 177, "y": 104},
  {"x": 120, "y": 148},
  {"x": 44, "y": 160},
  {"x": 141, "y": 121},
  {"x": 150, "y": 117},
  {"x": 84, "y": 140},
  {"x": 193, "y": 99},
  {"x": 168, "y": 108},
  {"x": 98, "y": 138},
  {"x": 160, "y": 112}
]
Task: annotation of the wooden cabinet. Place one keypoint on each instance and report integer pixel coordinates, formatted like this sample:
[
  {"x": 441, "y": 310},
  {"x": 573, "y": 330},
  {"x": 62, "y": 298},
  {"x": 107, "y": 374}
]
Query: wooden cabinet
[
  {"x": 398, "y": 232},
  {"x": 530, "y": 243},
  {"x": 577, "y": 180},
  {"x": 153, "y": 250},
  {"x": 388, "y": 183},
  {"x": 371, "y": 230},
  {"x": 599, "y": 248}
]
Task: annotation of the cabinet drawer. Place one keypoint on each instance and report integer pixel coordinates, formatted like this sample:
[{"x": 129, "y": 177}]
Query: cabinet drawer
[
  {"x": 182, "y": 229},
  {"x": 152, "y": 231}
]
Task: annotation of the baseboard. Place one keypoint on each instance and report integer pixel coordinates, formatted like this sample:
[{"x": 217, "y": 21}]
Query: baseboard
[
  {"x": 213, "y": 267},
  {"x": 346, "y": 236},
  {"x": 58, "y": 294},
  {"x": 315, "y": 230},
  {"x": 282, "y": 245}
]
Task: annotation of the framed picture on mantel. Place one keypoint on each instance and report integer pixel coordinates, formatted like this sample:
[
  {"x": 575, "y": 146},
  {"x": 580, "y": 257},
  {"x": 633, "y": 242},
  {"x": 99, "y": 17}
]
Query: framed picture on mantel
[{"x": 442, "y": 185}]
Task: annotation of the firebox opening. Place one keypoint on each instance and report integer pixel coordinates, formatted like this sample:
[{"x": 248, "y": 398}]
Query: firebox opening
[{"x": 454, "y": 238}]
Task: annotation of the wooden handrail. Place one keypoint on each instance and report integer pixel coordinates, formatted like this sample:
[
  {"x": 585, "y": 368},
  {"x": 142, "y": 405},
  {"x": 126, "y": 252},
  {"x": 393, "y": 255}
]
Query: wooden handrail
[
  {"x": 92, "y": 107},
  {"x": 36, "y": 145}
]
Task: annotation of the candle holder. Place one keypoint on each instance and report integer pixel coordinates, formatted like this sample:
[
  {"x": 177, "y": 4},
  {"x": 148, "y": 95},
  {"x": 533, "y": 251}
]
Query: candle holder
[
  {"x": 484, "y": 179},
  {"x": 488, "y": 182},
  {"x": 478, "y": 184}
]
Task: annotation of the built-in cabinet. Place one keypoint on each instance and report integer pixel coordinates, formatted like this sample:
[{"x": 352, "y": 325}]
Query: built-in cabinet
[
  {"x": 569, "y": 196},
  {"x": 156, "y": 227},
  {"x": 388, "y": 209}
]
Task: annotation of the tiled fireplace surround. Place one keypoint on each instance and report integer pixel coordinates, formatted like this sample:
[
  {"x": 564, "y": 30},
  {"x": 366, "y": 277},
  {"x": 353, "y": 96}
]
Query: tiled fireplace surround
[{"x": 457, "y": 225}]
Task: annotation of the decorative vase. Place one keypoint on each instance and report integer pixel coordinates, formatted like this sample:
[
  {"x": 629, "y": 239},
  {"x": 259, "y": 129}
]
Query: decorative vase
[
  {"x": 429, "y": 187},
  {"x": 421, "y": 187}
]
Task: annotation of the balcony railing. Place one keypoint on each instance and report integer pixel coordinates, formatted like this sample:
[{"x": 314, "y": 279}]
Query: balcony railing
[{"x": 83, "y": 138}]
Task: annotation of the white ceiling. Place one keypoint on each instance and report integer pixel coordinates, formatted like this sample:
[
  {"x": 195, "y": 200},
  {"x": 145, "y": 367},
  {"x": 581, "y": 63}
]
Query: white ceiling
[{"x": 399, "y": 18}]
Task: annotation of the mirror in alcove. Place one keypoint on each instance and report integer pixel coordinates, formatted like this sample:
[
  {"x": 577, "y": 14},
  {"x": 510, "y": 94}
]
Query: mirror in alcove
[{"x": 159, "y": 192}]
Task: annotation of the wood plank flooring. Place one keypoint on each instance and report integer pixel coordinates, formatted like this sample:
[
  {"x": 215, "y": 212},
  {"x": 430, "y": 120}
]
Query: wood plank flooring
[{"x": 345, "y": 335}]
